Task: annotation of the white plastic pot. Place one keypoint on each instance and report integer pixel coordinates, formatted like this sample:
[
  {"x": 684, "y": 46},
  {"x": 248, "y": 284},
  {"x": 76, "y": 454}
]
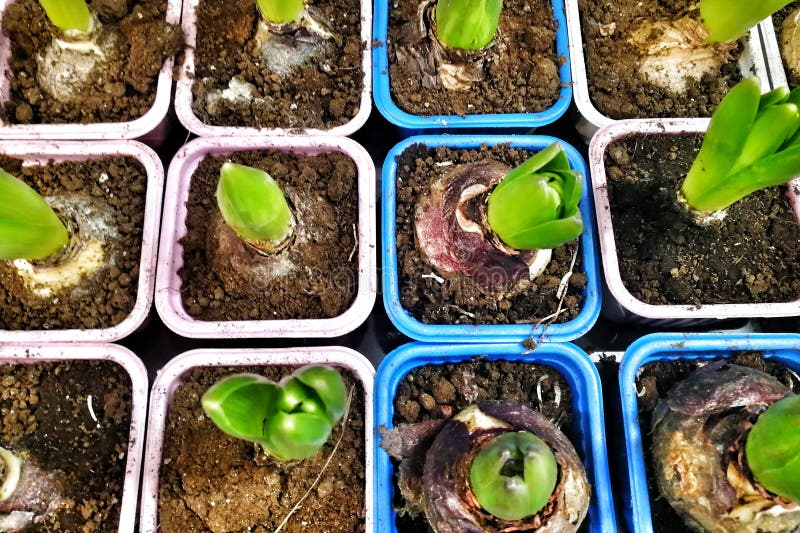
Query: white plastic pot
[
  {"x": 772, "y": 52},
  {"x": 629, "y": 308},
  {"x": 150, "y": 127},
  {"x": 168, "y": 284},
  {"x": 32, "y": 353},
  {"x": 184, "y": 98},
  {"x": 171, "y": 375},
  {"x": 42, "y": 152}
]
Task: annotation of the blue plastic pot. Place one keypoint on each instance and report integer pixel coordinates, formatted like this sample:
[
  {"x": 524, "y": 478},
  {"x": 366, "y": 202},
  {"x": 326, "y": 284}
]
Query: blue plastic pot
[
  {"x": 415, "y": 329},
  {"x": 784, "y": 348},
  {"x": 416, "y": 123},
  {"x": 587, "y": 404}
]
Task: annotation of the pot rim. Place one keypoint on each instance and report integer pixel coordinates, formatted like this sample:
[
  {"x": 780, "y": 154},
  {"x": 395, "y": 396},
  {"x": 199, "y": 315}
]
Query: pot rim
[
  {"x": 168, "y": 292},
  {"x": 168, "y": 379},
  {"x": 608, "y": 249},
  {"x": 772, "y": 52}
]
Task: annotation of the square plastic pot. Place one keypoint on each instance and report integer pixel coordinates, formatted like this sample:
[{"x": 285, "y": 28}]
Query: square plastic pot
[
  {"x": 752, "y": 62},
  {"x": 783, "y": 348},
  {"x": 168, "y": 284},
  {"x": 567, "y": 359},
  {"x": 624, "y": 306},
  {"x": 411, "y": 124},
  {"x": 193, "y": 123},
  {"x": 170, "y": 377},
  {"x": 152, "y": 127},
  {"x": 772, "y": 53},
  {"x": 29, "y": 354},
  {"x": 418, "y": 330},
  {"x": 40, "y": 153}
]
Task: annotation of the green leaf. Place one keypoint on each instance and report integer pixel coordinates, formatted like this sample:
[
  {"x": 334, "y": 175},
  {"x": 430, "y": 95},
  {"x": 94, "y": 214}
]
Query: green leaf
[
  {"x": 770, "y": 130},
  {"x": 68, "y": 14},
  {"x": 773, "y": 448},
  {"x": 514, "y": 475},
  {"x": 467, "y": 24},
  {"x": 774, "y": 97},
  {"x": 281, "y": 11},
  {"x": 29, "y": 228},
  {"x": 252, "y": 204},
  {"x": 327, "y": 383},
  {"x": 240, "y": 404},
  {"x": 292, "y": 436},
  {"x": 726, "y": 20}
]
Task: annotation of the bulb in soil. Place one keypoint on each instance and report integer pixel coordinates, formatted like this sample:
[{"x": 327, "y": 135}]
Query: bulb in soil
[
  {"x": 790, "y": 41},
  {"x": 675, "y": 53},
  {"x": 9, "y": 473},
  {"x": 91, "y": 227},
  {"x": 26, "y": 492}
]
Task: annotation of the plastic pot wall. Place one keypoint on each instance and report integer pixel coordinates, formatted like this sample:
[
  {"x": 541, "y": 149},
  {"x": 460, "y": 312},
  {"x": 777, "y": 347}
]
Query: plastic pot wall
[
  {"x": 772, "y": 53},
  {"x": 152, "y": 127},
  {"x": 169, "y": 378},
  {"x": 31, "y": 353},
  {"x": 783, "y": 348},
  {"x": 193, "y": 123},
  {"x": 418, "y": 330},
  {"x": 587, "y": 404},
  {"x": 168, "y": 284},
  {"x": 41, "y": 152},
  {"x": 411, "y": 124}
]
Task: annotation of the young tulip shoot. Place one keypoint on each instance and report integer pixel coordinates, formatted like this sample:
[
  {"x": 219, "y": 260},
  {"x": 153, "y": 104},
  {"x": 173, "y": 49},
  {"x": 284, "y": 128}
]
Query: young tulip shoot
[
  {"x": 514, "y": 475},
  {"x": 467, "y": 24},
  {"x": 727, "y": 20},
  {"x": 536, "y": 204},
  {"x": 281, "y": 11},
  {"x": 68, "y": 15},
  {"x": 291, "y": 420},
  {"x": 773, "y": 448},
  {"x": 29, "y": 228},
  {"x": 253, "y": 205},
  {"x": 752, "y": 142}
]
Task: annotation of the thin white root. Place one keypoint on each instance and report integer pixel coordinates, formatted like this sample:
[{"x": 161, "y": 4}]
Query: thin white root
[{"x": 12, "y": 473}]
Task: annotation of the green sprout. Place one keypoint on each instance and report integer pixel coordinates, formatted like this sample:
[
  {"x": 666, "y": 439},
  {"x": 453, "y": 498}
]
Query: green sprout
[
  {"x": 68, "y": 14},
  {"x": 726, "y": 20},
  {"x": 253, "y": 205},
  {"x": 514, "y": 475},
  {"x": 29, "y": 228},
  {"x": 281, "y": 11},
  {"x": 773, "y": 448},
  {"x": 535, "y": 206},
  {"x": 752, "y": 142},
  {"x": 467, "y": 24},
  {"x": 291, "y": 420}
]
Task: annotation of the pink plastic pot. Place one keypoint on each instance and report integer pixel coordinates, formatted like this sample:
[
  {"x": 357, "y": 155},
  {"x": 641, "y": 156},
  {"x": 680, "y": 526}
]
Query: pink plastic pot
[
  {"x": 170, "y": 376},
  {"x": 151, "y": 127},
  {"x": 168, "y": 284},
  {"x": 21, "y": 354},
  {"x": 628, "y": 308},
  {"x": 184, "y": 98},
  {"x": 40, "y": 153}
]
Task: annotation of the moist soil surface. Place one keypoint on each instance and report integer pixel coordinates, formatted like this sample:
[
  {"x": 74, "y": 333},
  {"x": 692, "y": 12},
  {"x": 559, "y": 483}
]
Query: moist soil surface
[
  {"x": 616, "y": 88},
  {"x": 213, "y": 482},
  {"x": 520, "y": 66},
  {"x": 654, "y": 382},
  {"x": 323, "y": 92},
  {"x": 73, "y": 420},
  {"x": 777, "y": 21},
  {"x": 122, "y": 91},
  {"x": 752, "y": 256},
  {"x": 441, "y": 391},
  {"x": 457, "y": 300},
  {"x": 319, "y": 273},
  {"x": 107, "y": 296}
]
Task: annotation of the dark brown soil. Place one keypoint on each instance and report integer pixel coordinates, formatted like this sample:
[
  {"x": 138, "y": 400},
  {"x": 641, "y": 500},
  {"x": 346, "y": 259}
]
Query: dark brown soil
[
  {"x": 777, "y": 21},
  {"x": 213, "y": 482},
  {"x": 521, "y": 65},
  {"x": 108, "y": 296},
  {"x": 615, "y": 87},
  {"x": 655, "y": 380},
  {"x": 45, "y": 411},
  {"x": 322, "y": 93},
  {"x": 458, "y": 300},
  {"x": 665, "y": 258},
  {"x": 441, "y": 391},
  {"x": 123, "y": 91},
  {"x": 323, "y": 278}
]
